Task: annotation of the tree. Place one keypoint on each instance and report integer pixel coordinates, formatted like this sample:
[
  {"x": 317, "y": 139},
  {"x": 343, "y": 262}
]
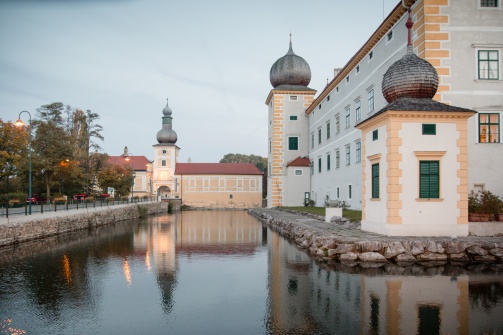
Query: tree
[
  {"x": 13, "y": 146},
  {"x": 116, "y": 176},
  {"x": 259, "y": 162}
]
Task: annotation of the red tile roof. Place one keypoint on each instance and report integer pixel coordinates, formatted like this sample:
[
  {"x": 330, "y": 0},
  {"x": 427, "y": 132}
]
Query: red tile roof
[
  {"x": 217, "y": 168},
  {"x": 139, "y": 162},
  {"x": 300, "y": 161}
]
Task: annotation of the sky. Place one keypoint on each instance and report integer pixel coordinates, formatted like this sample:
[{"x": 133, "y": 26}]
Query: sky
[{"x": 123, "y": 58}]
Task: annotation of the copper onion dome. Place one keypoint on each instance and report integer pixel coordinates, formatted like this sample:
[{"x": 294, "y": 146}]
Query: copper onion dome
[
  {"x": 167, "y": 135},
  {"x": 290, "y": 70},
  {"x": 410, "y": 77}
]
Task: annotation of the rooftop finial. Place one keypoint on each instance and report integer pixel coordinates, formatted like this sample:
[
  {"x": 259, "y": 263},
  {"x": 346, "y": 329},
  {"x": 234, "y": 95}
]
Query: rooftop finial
[{"x": 409, "y": 25}]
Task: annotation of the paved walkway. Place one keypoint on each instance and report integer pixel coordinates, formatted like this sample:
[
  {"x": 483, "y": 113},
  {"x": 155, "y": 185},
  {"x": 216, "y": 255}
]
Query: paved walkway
[
  {"x": 19, "y": 218},
  {"x": 352, "y": 231}
]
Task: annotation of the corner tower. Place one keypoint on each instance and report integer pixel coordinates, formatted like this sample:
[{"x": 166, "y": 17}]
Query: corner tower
[
  {"x": 165, "y": 157},
  {"x": 287, "y": 130}
]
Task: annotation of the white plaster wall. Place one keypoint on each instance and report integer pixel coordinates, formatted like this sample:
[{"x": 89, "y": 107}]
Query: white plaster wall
[
  {"x": 296, "y": 186},
  {"x": 431, "y": 213},
  {"x": 376, "y": 209}
]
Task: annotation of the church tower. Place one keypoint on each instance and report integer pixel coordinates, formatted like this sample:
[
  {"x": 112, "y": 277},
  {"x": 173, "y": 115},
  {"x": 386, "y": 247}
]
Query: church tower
[
  {"x": 165, "y": 158},
  {"x": 288, "y": 165}
]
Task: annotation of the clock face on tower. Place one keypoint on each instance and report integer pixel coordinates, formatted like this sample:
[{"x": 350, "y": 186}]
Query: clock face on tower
[{"x": 163, "y": 152}]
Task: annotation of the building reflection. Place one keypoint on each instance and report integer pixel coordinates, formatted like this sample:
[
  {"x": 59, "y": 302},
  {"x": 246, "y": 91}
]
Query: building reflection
[{"x": 306, "y": 297}]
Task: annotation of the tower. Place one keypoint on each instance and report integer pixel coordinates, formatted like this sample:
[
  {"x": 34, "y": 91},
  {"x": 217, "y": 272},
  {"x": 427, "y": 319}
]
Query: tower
[
  {"x": 165, "y": 158},
  {"x": 288, "y": 167}
]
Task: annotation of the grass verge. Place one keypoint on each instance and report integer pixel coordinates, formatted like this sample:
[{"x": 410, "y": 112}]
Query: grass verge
[{"x": 350, "y": 214}]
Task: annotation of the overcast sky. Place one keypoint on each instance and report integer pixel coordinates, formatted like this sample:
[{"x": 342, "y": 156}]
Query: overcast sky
[{"x": 123, "y": 58}]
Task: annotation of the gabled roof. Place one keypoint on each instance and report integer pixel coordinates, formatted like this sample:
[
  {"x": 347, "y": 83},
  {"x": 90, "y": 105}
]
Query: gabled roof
[
  {"x": 217, "y": 168},
  {"x": 300, "y": 161},
  {"x": 139, "y": 162}
]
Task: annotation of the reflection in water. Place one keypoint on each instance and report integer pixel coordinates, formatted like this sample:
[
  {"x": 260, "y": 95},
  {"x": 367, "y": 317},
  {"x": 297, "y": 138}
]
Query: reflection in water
[{"x": 222, "y": 273}]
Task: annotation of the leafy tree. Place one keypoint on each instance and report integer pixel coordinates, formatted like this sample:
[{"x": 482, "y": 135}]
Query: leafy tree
[
  {"x": 259, "y": 162},
  {"x": 13, "y": 146},
  {"x": 117, "y": 176}
]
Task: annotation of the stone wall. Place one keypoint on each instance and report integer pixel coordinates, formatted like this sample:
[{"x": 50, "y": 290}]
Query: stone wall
[
  {"x": 44, "y": 227},
  {"x": 329, "y": 246}
]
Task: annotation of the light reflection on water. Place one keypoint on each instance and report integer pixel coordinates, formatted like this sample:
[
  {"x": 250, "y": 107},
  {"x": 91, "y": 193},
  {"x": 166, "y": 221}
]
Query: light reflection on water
[{"x": 215, "y": 272}]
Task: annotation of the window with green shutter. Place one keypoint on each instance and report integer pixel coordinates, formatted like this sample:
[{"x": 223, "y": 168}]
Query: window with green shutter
[
  {"x": 293, "y": 143},
  {"x": 429, "y": 179},
  {"x": 375, "y": 181},
  {"x": 429, "y": 129},
  {"x": 375, "y": 135}
]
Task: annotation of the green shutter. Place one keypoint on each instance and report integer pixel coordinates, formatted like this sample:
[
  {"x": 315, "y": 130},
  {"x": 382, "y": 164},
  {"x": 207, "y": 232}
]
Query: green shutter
[
  {"x": 429, "y": 129},
  {"x": 293, "y": 143},
  {"x": 429, "y": 180},
  {"x": 375, "y": 181},
  {"x": 375, "y": 135}
]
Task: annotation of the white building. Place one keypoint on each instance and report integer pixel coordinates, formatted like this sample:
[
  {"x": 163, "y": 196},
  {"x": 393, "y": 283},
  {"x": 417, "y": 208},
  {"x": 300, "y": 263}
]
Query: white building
[{"x": 462, "y": 39}]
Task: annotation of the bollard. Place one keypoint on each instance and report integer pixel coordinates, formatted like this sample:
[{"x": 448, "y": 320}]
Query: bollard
[
  {"x": 42, "y": 208},
  {"x": 66, "y": 205},
  {"x": 55, "y": 206},
  {"x": 25, "y": 210}
]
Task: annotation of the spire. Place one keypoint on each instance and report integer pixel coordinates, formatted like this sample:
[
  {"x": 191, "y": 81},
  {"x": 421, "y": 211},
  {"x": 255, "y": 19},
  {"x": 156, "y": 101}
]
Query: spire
[
  {"x": 167, "y": 135},
  {"x": 290, "y": 49},
  {"x": 409, "y": 25}
]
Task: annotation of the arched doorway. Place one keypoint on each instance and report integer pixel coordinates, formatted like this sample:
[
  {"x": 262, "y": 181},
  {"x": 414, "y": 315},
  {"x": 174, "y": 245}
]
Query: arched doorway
[{"x": 164, "y": 192}]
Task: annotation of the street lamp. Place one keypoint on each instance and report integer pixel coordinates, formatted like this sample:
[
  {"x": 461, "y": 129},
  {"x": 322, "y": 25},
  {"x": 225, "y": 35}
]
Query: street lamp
[
  {"x": 20, "y": 123},
  {"x": 127, "y": 156}
]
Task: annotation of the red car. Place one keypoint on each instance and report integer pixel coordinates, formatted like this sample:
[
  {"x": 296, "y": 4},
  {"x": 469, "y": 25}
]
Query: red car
[{"x": 36, "y": 199}]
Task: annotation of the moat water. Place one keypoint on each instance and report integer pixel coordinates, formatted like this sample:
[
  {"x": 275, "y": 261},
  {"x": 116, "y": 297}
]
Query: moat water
[{"x": 216, "y": 272}]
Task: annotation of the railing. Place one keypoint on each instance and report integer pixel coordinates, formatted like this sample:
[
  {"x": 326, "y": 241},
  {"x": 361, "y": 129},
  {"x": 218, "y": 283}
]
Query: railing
[{"x": 7, "y": 210}]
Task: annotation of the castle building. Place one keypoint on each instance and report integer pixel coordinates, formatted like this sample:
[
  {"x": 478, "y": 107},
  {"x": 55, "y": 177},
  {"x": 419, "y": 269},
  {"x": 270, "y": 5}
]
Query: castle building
[
  {"x": 208, "y": 185},
  {"x": 462, "y": 40}
]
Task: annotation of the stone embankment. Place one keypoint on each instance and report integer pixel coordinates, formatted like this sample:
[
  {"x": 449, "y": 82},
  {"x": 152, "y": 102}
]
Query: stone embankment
[
  {"x": 345, "y": 241},
  {"x": 42, "y": 227}
]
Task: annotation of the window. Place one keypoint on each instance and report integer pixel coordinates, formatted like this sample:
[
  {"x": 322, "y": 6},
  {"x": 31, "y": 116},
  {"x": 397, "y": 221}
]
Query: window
[
  {"x": 348, "y": 117},
  {"x": 328, "y": 98},
  {"x": 358, "y": 69},
  {"x": 163, "y": 163},
  {"x": 293, "y": 117},
  {"x": 489, "y": 127},
  {"x": 319, "y": 135},
  {"x": 319, "y": 164},
  {"x": 319, "y": 106},
  {"x": 429, "y": 129},
  {"x": 389, "y": 37},
  {"x": 358, "y": 151},
  {"x": 337, "y": 158},
  {"x": 347, "y": 79},
  {"x": 328, "y": 162},
  {"x": 312, "y": 167},
  {"x": 298, "y": 172},
  {"x": 293, "y": 143},
  {"x": 489, "y": 3},
  {"x": 429, "y": 179},
  {"x": 375, "y": 135},
  {"x": 348, "y": 154},
  {"x": 328, "y": 130},
  {"x": 371, "y": 55},
  {"x": 312, "y": 139},
  {"x": 371, "y": 100},
  {"x": 338, "y": 193},
  {"x": 375, "y": 181},
  {"x": 488, "y": 64},
  {"x": 350, "y": 193},
  {"x": 337, "y": 124},
  {"x": 293, "y": 98},
  {"x": 358, "y": 111}
]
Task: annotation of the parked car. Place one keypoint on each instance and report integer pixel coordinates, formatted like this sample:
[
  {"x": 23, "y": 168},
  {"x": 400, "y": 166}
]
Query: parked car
[
  {"x": 81, "y": 196},
  {"x": 36, "y": 199}
]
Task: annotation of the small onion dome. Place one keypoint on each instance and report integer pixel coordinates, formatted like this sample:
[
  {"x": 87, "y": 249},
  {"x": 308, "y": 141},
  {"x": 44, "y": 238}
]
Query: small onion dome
[
  {"x": 167, "y": 135},
  {"x": 410, "y": 77},
  {"x": 290, "y": 70}
]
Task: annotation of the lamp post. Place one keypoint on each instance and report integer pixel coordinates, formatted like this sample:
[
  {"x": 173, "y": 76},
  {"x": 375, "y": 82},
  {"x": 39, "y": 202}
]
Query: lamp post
[
  {"x": 127, "y": 156},
  {"x": 20, "y": 123}
]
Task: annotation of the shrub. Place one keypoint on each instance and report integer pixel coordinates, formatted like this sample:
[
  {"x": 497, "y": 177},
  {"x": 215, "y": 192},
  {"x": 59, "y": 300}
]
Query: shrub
[
  {"x": 484, "y": 202},
  {"x": 142, "y": 211}
]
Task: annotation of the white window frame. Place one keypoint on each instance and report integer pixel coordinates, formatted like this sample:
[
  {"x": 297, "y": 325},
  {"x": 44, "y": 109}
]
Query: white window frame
[
  {"x": 358, "y": 151},
  {"x": 489, "y": 8},
  {"x": 371, "y": 99},
  {"x": 348, "y": 116},
  {"x": 296, "y": 172},
  {"x": 498, "y": 49},
  {"x": 348, "y": 154},
  {"x": 358, "y": 110}
]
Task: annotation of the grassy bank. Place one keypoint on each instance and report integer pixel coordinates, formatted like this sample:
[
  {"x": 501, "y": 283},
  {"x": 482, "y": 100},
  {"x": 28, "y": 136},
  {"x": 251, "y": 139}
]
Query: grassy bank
[{"x": 347, "y": 213}]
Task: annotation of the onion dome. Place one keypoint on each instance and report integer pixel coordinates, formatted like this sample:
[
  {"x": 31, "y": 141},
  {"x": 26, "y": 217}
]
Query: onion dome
[
  {"x": 167, "y": 135},
  {"x": 290, "y": 70},
  {"x": 410, "y": 77}
]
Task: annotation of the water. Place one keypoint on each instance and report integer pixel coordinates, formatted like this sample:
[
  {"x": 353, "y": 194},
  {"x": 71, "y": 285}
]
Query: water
[{"x": 214, "y": 272}]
